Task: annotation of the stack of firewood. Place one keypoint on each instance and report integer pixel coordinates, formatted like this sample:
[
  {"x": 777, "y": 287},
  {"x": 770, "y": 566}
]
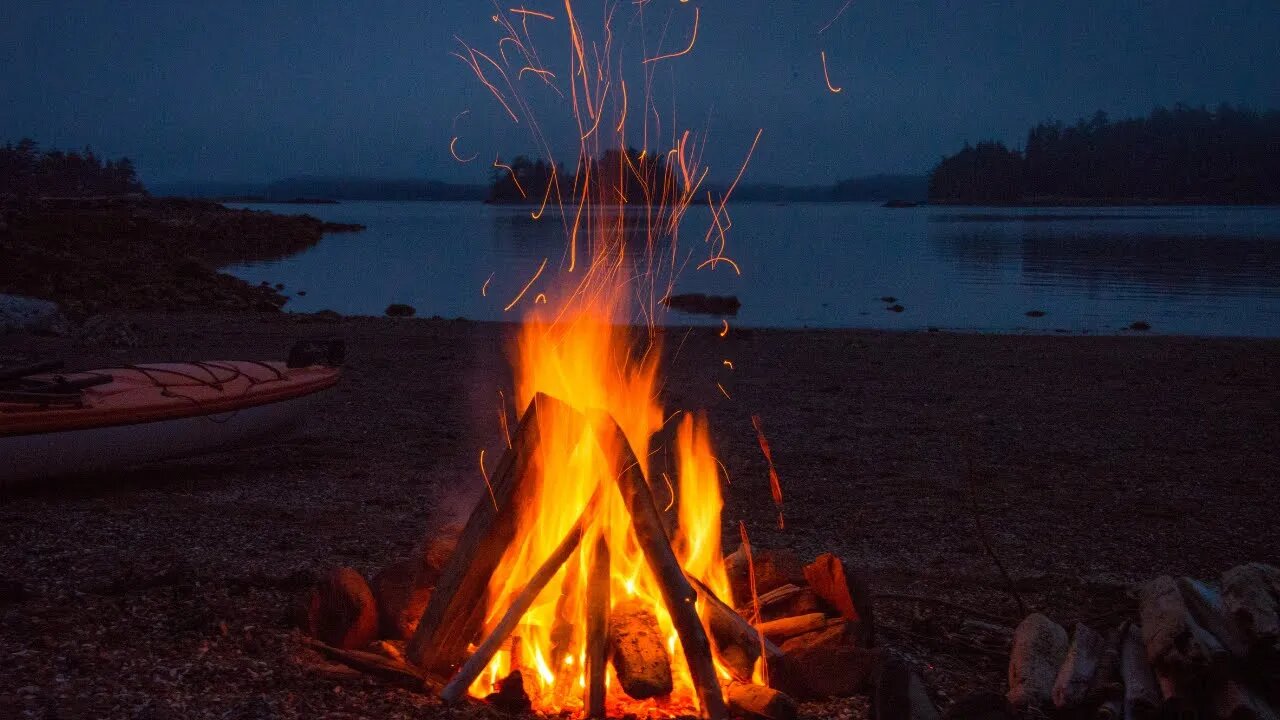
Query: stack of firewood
[{"x": 1196, "y": 650}]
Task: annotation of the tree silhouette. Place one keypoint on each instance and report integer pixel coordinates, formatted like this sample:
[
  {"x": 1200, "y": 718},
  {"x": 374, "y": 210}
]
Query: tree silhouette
[
  {"x": 25, "y": 171},
  {"x": 1228, "y": 155}
]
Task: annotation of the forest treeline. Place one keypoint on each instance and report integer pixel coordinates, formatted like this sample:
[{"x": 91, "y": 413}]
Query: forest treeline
[
  {"x": 525, "y": 181},
  {"x": 1230, "y": 155},
  {"x": 27, "y": 171}
]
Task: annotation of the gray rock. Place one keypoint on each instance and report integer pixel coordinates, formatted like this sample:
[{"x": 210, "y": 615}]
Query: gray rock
[{"x": 24, "y": 314}]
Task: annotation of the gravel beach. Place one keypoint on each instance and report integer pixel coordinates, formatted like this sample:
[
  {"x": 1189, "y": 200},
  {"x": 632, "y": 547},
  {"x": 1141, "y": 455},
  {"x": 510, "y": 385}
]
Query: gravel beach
[{"x": 1093, "y": 463}]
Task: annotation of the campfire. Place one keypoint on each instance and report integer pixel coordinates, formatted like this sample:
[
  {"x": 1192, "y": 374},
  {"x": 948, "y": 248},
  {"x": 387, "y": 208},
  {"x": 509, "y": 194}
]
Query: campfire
[{"x": 589, "y": 577}]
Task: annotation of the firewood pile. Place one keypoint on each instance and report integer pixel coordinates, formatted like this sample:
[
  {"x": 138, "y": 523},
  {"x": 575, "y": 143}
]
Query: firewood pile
[{"x": 1196, "y": 650}]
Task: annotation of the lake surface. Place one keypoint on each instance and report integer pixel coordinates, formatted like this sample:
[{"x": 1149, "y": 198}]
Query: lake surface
[{"x": 1184, "y": 270}]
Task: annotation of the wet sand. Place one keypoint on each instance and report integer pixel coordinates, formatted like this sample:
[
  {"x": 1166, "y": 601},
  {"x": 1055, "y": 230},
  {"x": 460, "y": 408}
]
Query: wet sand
[{"x": 1098, "y": 462}]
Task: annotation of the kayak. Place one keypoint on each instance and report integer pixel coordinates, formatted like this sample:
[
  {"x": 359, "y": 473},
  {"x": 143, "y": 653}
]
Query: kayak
[{"x": 59, "y": 424}]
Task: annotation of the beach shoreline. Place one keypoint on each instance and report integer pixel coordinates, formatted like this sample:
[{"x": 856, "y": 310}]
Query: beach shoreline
[{"x": 1098, "y": 462}]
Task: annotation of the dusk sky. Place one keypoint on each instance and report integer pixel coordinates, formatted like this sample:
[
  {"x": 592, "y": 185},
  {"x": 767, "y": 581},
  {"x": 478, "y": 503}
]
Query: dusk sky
[{"x": 255, "y": 91}]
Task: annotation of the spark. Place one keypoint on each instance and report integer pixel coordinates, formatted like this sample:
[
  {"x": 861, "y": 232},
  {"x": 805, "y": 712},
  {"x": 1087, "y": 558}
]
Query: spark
[
  {"x": 540, "y": 299},
  {"x": 484, "y": 474},
  {"x": 454, "y": 152},
  {"x": 531, "y": 13},
  {"x": 544, "y": 74},
  {"x": 837, "y": 17},
  {"x": 686, "y": 51},
  {"x": 527, "y": 285},
  {"x": 713, "y": 261},
  {"x": 826, "y": 75},
  {"x": 484, "y": 289},
  {"x": 516, "y": 180},
  {"x": 502, "y": 417},
  {"x": 728, "y": 364},
  {"x": 725, "y": 331},
  {"x": 723, "y": 391},
  {"x": 671, "y": 491},
  {"x": 775, "y": 485}
]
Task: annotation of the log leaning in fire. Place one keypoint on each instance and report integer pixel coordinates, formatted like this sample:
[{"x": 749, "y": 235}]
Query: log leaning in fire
[
  {"x": 453, "y": 616},
  {"x": 1075, "y": 677},
  {"x": 1039, "y": 647},
  {"x": 1207, "y": 608},
  {"x": 638, "y": 651},
  {"x": 678, "y": 595},
  {"x": 1142, "y": 699},
  {"x": 830, "y": 580},
  {"x": 758, "y": 701},
  {"x": 475, "y": 664},
  {"x": 738, "y": 643},
  {"x": 1175, "y": 642},
  {"x": 597, "y": 628},
  {"x": 1249, "y": 602}
]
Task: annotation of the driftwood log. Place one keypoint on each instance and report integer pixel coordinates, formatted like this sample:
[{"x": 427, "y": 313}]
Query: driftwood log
[
  {"x": 1039, "y": 647},
  {"x": 475, "y": 664},
  {"x": 637, "y": 650},
  {"x": 1208, "y": 610},
  {"x": 456, "y": 610},
  {"x": 1250, "y": 603},
  {"x": 758, "y": 701},
  {"x": 900, "y": 695},
  {"x": 677, "y": 593},
  {"x": 1075, "y": 677},
  {"x": 1142, "y": 699},
  {"x": 1174, "y": 641},
  {"x": 597, "y": 650},
  {"x": 377, "y": 665},
  {"x": 1235, "y": 701}
]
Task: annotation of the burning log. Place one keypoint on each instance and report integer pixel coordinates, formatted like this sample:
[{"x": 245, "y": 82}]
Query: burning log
[
  {"x": 678, "y": 595},
  {"x": 1071, "y": 688},
  {"x": 511, "y": 697},
  {"x": 758, "y": 701},
  {"x": 1039, "y": 647},
  {"x": 783, "y": 628},
  {"x": 1141, "y": 689},
  {"x": 597, "y": 649},
  {"x": 1207, "y": 608},
  {"x": 1249, "y": 602},
  {"x": 454, "y": 614},
  {"x": 1235, "y": 701},
  {"x": 1175, "y": 642},
  {"x": 475, "y": 664},
  {"x": 827, "y": 577},
  {"x": 637, "y": 650}
]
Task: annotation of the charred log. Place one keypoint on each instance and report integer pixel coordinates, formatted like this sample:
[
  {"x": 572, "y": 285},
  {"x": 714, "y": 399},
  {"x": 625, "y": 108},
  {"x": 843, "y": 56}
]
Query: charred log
[{"x": 758, "y": 701}]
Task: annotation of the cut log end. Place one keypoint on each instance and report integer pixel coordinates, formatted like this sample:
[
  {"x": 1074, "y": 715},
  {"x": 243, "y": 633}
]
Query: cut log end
[{"x": 637, "y": 651}]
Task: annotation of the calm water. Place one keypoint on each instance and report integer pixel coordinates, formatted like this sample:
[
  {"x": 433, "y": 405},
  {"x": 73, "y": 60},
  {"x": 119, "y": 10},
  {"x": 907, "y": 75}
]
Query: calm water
[{"x": 1192, "y": 270}]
